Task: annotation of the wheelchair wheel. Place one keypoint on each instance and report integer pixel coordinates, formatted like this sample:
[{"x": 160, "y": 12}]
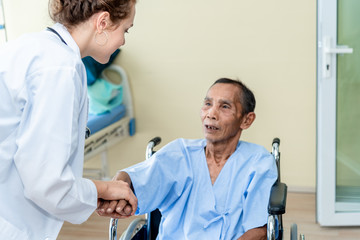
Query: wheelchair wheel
[
  {"x": 133, "y": 228},
  {"x": 293, "y": 232}
]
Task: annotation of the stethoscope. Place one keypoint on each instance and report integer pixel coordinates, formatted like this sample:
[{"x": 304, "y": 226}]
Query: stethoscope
[{"x": 54, "y": 31}]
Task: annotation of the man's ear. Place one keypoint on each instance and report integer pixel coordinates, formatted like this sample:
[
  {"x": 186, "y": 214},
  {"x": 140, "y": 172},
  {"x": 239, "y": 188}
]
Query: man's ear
[
  {"x": 247, "y": 120},
  {"x": 102, "y": 21}
]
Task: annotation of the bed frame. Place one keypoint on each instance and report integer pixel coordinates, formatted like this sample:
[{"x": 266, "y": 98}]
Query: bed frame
[{"x": 99, "y": 142}]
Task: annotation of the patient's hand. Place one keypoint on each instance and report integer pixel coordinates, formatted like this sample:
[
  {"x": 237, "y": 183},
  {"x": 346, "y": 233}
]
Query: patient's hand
[
  {"x": 118, "y": 208},
  {"x": 114, "y": 209},
  {"x": 115, "y": 199}
]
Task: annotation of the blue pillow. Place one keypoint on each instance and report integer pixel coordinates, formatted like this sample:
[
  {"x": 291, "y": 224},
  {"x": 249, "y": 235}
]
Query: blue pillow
[{"x": 94, "y": 68}]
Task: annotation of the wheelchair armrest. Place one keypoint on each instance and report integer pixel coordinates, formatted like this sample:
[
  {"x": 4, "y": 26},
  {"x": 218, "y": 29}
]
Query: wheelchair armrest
[{"x": 277, "y": 201}]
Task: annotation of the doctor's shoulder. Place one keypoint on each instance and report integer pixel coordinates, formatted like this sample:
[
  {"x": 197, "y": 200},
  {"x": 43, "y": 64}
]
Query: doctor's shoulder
[
  {"x": 55, "y": 52},
  {"x": 37, "y": 49},
  {"x": 21, "y": 52}
]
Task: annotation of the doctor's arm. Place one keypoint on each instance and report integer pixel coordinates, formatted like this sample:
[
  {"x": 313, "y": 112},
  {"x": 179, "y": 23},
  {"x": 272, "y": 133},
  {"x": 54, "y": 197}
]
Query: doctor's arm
[{"x": 47, "y": 161}]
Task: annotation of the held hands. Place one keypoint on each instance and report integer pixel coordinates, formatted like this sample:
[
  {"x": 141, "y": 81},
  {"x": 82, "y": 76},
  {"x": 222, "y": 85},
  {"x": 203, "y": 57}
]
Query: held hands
[
  {"x": 115, "y": 199},
  {"x": 114, "y": 209}
]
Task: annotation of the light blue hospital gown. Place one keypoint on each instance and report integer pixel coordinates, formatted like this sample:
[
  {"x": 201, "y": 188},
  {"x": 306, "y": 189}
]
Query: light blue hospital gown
[{"x": 177, "y": 181}]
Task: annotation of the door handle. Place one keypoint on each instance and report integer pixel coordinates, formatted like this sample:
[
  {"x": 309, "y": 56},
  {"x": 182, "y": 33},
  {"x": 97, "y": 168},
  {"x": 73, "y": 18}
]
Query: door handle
[
  {"x": 339, "y": 50},
  {"x": 327, "y": 54}
]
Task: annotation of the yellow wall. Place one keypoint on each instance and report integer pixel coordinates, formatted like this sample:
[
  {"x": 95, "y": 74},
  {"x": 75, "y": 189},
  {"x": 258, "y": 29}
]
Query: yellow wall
[{"x": 178, "y": 48}]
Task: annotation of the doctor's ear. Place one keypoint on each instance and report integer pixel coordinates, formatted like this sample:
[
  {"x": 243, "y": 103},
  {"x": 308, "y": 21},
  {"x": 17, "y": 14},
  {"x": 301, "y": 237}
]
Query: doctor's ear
[
  {"x": 102, "y": 21},
  {"x": 247, "y": 120}
]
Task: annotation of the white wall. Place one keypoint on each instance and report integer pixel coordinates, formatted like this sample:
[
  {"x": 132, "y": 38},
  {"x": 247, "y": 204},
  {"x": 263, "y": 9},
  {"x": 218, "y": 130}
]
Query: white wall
[
  {"x": 176, "y": 49},
  {"x": 23, "y": 16}
]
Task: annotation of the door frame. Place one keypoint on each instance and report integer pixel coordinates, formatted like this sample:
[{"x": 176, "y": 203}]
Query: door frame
[{"x": 326, "y": 213}]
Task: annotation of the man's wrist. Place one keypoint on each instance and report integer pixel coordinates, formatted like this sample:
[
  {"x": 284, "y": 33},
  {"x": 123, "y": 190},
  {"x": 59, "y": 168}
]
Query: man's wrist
[{"x": 124, "y": 176}]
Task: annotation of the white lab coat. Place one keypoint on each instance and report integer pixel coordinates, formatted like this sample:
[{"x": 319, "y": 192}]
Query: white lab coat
[{"x": 43, "y": 113}]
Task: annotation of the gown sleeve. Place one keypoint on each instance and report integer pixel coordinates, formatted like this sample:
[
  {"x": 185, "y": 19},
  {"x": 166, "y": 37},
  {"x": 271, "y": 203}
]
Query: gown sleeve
[
  {"x": 47, "y": 145},
  {"x": 161, "y": 179},
  {"x": 262, "y": 176}
]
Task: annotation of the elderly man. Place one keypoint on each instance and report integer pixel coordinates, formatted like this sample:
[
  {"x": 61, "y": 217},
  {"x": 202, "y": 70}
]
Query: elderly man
[{"x": 212, "y": 188}]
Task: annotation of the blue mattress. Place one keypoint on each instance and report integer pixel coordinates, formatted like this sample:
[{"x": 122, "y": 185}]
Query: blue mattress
[{"x": 97, "y": 122}]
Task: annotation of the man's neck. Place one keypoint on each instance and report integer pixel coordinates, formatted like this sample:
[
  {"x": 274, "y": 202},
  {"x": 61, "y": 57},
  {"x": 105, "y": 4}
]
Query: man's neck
[{"x": 217, "y": 155}]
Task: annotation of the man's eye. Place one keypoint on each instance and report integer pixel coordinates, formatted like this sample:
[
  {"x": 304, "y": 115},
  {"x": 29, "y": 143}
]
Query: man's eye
[
  {"x": 207, "y": 104},
  {"x": 226, "y": 106}
]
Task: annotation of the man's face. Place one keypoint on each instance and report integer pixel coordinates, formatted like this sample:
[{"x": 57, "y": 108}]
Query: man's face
[{"x": 221, "y": 113}]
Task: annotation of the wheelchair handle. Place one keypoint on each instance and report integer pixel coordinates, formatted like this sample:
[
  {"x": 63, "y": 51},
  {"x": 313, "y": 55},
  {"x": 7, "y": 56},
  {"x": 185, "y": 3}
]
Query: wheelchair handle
[
  {"x": 276, "y": 153},
  {"x": 275, "y": 149},
  {"x": 276, "y": 140},
  {"x": 152, "y": 143},
  {"x": 155, "y": 140}
]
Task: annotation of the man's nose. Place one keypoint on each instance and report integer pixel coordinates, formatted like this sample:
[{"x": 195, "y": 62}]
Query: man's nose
[{"x": 212, "y": 113}]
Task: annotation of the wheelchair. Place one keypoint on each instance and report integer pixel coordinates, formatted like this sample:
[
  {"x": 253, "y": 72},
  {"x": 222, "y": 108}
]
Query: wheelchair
[{"x": 147, "y": 228}]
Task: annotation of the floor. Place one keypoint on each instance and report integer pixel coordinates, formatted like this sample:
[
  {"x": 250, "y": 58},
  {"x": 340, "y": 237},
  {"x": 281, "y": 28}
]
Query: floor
[{"x": 300, "y": 209}]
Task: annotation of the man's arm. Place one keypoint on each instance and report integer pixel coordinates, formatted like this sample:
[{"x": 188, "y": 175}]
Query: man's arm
[
  {"x": 255, "y": 207},
  {"x": 123, "y": 176},
  {"x": 255, "y": 234}
]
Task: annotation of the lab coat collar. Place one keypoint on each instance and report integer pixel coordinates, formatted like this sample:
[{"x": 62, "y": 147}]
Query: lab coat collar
[{"x": 64, "y": 33}]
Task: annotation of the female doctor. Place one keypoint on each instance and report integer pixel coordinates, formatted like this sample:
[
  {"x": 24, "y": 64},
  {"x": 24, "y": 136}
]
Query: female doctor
[{"x": 43, "y": 114}]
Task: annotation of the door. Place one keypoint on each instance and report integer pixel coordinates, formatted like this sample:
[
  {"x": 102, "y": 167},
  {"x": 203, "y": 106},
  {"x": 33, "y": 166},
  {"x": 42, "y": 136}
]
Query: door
[{"x": 338, "y": 113}]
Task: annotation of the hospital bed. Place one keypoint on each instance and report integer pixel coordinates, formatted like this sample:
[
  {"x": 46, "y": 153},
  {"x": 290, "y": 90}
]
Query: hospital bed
[
  {"x": 147, "y": 228},
  {"x": 109, "y": 128}
]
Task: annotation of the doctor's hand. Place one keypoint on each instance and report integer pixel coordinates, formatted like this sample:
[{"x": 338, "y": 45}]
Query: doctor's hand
[{"x": 124, "y": 204}]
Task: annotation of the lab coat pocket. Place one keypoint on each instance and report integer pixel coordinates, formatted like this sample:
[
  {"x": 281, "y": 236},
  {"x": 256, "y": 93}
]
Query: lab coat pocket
[{"x": 9, "y": 231}]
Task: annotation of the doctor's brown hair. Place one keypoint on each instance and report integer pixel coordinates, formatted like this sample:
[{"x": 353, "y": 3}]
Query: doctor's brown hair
[{"x": 73, "y": 12}]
